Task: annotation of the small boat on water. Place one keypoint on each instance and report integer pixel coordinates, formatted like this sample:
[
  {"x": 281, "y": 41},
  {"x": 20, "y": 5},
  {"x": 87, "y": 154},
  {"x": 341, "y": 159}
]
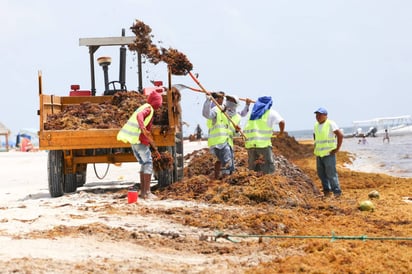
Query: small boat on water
[{"x": 398, "y": 125}]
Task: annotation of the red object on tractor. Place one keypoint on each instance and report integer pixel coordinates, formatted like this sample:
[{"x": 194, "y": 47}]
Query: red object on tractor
[{"x": 75, "y": 91}]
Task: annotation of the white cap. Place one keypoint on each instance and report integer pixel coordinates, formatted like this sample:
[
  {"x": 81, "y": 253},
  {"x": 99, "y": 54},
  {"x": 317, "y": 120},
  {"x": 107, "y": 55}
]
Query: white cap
[{"x": 234, "y": 97}]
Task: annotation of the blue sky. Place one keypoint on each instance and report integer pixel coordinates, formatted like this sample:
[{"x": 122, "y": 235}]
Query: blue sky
[{"x": 352, "y": 57}]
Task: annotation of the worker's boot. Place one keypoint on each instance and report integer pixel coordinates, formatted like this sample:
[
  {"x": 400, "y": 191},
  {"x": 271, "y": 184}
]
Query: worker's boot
[
  {"x": 142, "y": 190},
  {"x": 217, "y": 169}
]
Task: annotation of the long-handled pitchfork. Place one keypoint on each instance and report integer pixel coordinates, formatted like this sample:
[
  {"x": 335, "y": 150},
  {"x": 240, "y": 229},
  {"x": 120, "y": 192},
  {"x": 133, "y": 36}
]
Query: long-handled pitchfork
[{"x": 217, "y": 104}]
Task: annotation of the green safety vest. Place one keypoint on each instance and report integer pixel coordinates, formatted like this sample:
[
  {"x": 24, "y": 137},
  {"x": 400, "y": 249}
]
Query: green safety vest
[
  {"x": 258, "y": 133},
  {"x": 130, "y": 132},
  {"x": 325, "y": 142},
  {"x": 222, "y": 130}
]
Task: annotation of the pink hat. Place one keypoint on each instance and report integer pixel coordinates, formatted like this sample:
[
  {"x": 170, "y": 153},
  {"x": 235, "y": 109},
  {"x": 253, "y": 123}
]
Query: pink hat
[{"x": 155, "y": 99}]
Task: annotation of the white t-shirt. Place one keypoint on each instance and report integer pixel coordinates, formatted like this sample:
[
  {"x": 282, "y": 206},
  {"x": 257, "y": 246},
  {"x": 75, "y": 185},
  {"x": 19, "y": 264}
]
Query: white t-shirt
[{"x": 274, "y": 118}]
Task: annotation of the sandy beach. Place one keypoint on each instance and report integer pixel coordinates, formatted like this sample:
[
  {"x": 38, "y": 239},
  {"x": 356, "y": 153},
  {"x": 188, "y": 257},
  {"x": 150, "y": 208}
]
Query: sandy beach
[{"x": 193, "y": 230}]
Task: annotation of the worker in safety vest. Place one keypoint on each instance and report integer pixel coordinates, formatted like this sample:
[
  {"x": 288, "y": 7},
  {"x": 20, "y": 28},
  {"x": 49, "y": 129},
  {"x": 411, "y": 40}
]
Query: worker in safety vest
[
  {"x": 137, "y": 133},
  {"x": 221, "y": 133},
  {"x": 328, "y": 140},
  {"x": 258, "y": 130}
]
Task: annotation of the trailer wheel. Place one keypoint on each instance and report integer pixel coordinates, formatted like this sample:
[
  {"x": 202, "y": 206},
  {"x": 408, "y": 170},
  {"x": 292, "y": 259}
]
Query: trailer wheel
[
  {"x": 81, "y": 178},
  {"x": 70, "y": 183},
  {"x": 81, "y": 173},
  {"x": 55, "y": 172}
]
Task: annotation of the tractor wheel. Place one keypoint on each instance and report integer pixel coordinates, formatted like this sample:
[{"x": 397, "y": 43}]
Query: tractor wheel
[
  {"x": 70, "y": 183},
  {"x": 55, "y": 172},
  {"x": 165, "y": 177},
  {"x": 179, "y": 143},
  {"x": 179, "y": 158}
]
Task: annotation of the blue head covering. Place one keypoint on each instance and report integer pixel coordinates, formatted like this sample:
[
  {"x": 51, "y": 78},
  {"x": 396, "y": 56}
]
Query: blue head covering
[{"x": 263, "y": 103}]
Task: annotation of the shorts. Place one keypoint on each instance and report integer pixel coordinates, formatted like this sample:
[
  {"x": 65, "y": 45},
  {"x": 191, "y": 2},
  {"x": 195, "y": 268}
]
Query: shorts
[{"x": 144, "y": 156}]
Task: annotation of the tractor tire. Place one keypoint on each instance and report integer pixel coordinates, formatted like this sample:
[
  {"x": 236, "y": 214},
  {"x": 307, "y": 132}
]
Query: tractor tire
[
  {"x": 179, "y": 158},
  {"x": 70, "y": 183},
  {"x": 179, "y": 143},
  {"x": 55, "y": 169},
  {"x": 165, "y": 177}
]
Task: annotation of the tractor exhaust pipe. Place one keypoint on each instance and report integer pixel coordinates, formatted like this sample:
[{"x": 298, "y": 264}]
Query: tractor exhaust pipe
[{"x": 122, "y": 64}]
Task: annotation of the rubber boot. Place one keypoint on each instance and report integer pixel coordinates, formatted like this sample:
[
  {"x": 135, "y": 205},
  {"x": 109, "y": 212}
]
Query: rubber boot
[
  {"x": 217, "y": 169},
  {"x": 142, "y": 190},
  {"x": 145, "y": 185}
]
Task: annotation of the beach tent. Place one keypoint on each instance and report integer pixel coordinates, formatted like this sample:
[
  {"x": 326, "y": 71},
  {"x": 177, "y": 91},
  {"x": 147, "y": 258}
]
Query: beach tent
[{"x": 4, "y": 133}]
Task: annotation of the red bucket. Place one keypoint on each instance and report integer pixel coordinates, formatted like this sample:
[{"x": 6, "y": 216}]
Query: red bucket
[{"x": 132, "y": 196}]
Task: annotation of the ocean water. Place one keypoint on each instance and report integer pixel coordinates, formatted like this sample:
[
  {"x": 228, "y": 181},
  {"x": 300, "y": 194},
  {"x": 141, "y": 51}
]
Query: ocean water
[{"x": 374, "y": 156}]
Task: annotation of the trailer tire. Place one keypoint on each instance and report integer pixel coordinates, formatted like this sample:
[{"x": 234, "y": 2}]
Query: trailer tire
[
  {"x": 55, "y": 173},
  {"x": 70, "y": 183},
  {"x": 81, "y": 172},
  {"x": 81, "y": 178}
]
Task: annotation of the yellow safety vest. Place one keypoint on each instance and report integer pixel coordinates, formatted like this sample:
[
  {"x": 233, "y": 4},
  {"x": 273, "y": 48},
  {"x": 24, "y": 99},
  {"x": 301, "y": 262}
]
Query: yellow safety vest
[
  {"x": 325, "y": 140},
  {"x": 222, "y": 130},
  {"x": 258, "y": 133},
  {"x": 130, "y": 132}
]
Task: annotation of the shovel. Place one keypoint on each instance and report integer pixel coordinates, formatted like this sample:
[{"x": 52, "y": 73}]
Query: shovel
[
  {"x": 181, "y": 86},
  {"x": 216, "y": 103}
]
